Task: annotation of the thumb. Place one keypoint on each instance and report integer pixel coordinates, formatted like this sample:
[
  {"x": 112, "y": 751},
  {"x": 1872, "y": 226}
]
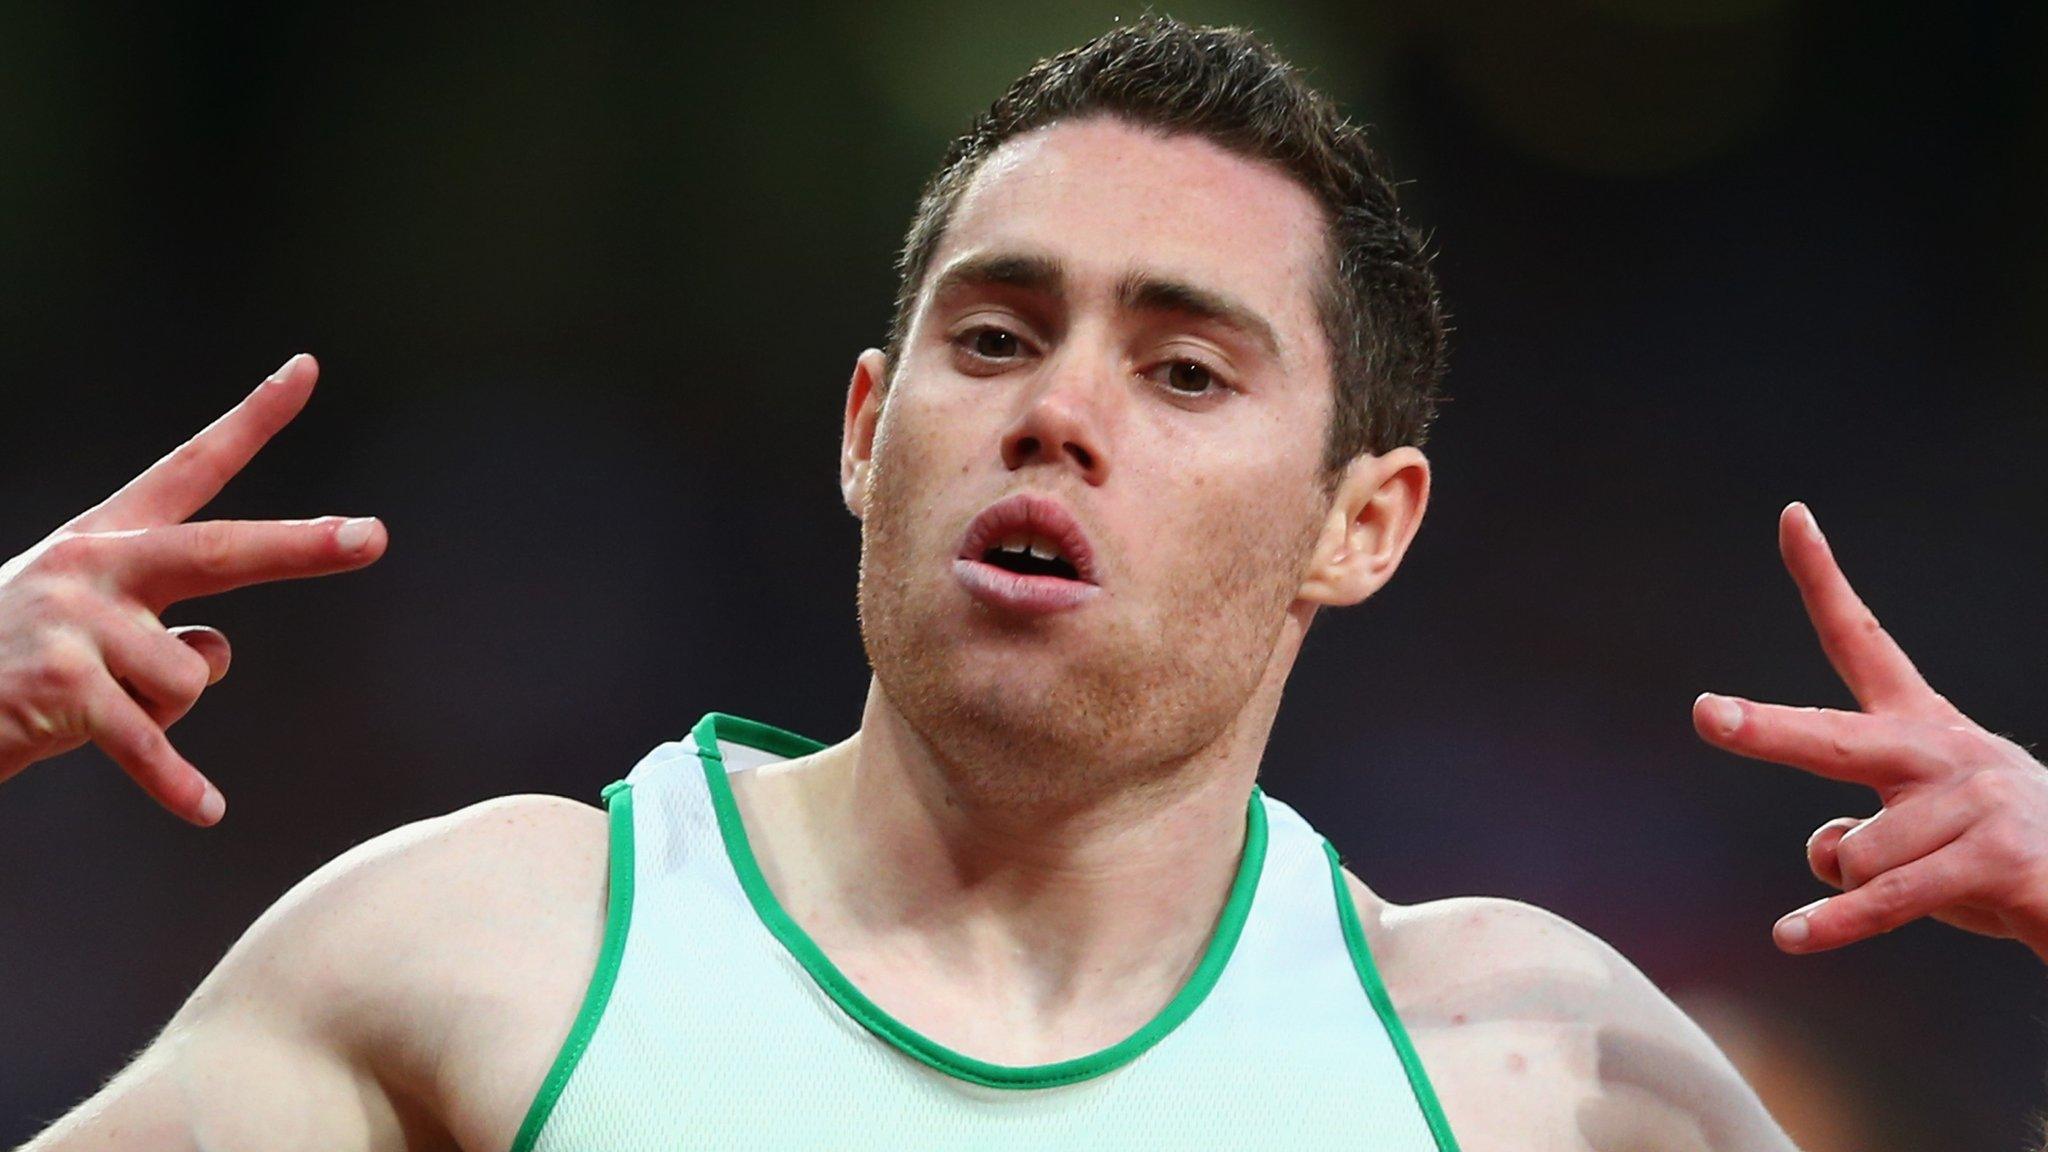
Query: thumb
[
  {"x": 210, "y": 643},
  {"x": 1821, "y": 846}
]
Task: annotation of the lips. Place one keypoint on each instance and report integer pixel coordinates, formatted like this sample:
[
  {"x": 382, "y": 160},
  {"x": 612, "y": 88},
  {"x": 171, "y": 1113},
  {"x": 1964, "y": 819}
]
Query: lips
[
  {"x": 1033, "y": 519},
  {"x": 1027, "y": 554}
]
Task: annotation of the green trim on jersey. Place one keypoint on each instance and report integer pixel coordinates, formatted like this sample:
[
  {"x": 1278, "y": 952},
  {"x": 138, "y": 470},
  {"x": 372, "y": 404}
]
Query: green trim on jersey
[
  {"x": 618, "y": 915},
  {"x": 1376, "y": 991},
  {"x": 718, "y": 726}
]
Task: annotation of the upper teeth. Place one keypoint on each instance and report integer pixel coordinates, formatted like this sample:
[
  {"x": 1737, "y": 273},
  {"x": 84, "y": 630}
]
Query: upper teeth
[{"x": 1037, "y": 546}]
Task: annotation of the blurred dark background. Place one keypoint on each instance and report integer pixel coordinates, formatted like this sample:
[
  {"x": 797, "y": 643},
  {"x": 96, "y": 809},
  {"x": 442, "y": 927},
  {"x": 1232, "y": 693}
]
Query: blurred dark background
[{"x": 587, "y": 285}]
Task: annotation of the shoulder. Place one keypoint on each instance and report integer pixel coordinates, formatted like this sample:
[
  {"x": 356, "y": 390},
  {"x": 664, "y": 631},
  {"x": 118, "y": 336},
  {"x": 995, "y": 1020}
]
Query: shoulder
[
  {"x": 1537, "y": 1033},
  {"x": 1437, "y": 953},
  {"x": 469, "y": 878},
  {"x": 432, "y": 947}
]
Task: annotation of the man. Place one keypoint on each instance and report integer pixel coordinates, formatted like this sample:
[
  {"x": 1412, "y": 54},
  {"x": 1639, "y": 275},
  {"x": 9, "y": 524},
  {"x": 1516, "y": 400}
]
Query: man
[{"x": 1163, "y": 359}]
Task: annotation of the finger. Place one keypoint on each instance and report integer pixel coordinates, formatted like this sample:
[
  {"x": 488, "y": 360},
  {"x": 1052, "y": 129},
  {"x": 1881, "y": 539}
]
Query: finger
[
  {"x": 211, "y": 644},
  {"x": 183, "y": 482},
  {"x": 160, "y": 566},
  {"x": 1917, "y": 826},
  {"x": 1820, "y": 849},
  {"x": 163, "y": 675},
  {"x": 1889, "y": 900},
  {"x": 1864, "y": 655},
  {"x": 1884, "y": 752},
  {"x": 135, "y": 742}
]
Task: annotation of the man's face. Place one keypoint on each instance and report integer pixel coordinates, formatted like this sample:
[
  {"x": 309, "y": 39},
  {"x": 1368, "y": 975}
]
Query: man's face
[{"x": 1119, "y": 327}]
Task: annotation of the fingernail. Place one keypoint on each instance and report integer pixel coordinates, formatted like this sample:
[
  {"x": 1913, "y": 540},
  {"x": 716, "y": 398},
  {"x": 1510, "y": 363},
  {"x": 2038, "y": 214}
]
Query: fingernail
[
  {"x": 1812, "y": 525},
  {"x": 1814, "y": 838},
  {"x": 353, "y": 534},
  {"x": 1723, "y": 713},
  {"x": 284, "y": 368},
  {"x": 1794, "y": 930},
  {"x": 212, "y": 806}
]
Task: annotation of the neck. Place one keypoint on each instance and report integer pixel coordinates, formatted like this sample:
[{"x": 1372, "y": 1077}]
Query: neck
[
  {"x": 1060, "y": 925},
  {"x": 1138, "y": 863}
]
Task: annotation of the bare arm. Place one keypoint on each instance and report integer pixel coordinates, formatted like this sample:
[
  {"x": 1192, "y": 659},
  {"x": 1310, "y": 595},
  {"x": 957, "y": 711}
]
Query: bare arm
[
  {"x": 254, "y": 1059},
  {"x": 409, "y": 995}
]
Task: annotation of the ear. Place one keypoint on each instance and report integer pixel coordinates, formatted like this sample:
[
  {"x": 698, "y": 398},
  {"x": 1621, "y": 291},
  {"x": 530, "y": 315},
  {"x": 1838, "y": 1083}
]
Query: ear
[
  {"x": 857, "y": 433},
  {"x": 1377, "y": 507}
]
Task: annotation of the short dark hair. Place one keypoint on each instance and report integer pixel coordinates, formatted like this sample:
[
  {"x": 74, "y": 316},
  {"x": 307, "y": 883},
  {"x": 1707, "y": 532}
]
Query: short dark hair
[{"x": 1378, "y": 304}]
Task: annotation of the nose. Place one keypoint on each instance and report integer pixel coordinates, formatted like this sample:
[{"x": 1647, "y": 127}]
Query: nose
[{"x": 1062, "y": 423}]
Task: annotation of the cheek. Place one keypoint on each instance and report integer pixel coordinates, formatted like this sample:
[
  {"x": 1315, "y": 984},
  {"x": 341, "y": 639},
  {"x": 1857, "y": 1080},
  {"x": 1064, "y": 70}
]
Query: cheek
[
  {"x": 1253, "y": 502},
  {"x": 935, "y": 430},
  {"x": 1236, "y": 554},
  {"x": 922, "y": 451}
]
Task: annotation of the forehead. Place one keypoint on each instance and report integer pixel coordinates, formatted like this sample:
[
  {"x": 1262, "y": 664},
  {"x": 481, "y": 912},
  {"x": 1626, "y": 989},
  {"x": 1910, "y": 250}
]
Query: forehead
[{"x": 1107, "y": 197}]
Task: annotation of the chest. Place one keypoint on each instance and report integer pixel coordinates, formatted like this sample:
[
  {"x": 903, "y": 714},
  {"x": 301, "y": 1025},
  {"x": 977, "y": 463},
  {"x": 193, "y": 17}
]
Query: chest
[
  {"x": 730, "y": 1048},
  {"x": 736, "y": 1049},
  {"x": 724, "y": 1026}
]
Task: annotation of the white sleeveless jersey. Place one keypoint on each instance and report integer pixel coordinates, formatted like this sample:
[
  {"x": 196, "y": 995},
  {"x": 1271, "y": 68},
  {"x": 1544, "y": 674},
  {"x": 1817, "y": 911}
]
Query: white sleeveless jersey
[{"x": 714, "y": 1022}]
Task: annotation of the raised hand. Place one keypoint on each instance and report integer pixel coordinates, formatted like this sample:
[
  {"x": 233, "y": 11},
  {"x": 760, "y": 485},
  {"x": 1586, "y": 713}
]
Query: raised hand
[
  {"x": 1962, "y": 834},
  {"x": 83, "y": 656}
]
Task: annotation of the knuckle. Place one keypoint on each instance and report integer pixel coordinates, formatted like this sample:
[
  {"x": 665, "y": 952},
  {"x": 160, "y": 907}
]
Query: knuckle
[
  {"x": 2008, "y": 844},
  {"x": 213, "y": 547},
  {"x": 70, "y": 552},
  {"x": 67, "y": 663},
  {"x": 1891, "y": 893},
  {"x": 147, "y": 746},
  {"x": 1990, "y": 790},
  {"x": 58, "y": 599},
  {"x": 196, "y": 455}
]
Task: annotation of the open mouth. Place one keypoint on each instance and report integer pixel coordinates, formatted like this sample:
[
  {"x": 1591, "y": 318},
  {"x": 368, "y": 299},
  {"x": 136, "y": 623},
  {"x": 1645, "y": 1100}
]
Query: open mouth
[
  {"x": 1030, "y": 535},
  {"x": 1029, "y": 555}
]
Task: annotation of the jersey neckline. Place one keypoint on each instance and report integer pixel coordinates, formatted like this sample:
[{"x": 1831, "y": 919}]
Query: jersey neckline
[{"x": 719, "y": 726}]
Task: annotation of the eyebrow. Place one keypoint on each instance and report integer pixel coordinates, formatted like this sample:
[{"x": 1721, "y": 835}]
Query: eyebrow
[{"x": 1137, "y": 292}]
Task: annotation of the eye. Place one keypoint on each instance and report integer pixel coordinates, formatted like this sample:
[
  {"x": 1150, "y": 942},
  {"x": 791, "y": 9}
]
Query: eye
[
  {"x": 1188, "y": 378},
  {"x": 991, "y": 343}
]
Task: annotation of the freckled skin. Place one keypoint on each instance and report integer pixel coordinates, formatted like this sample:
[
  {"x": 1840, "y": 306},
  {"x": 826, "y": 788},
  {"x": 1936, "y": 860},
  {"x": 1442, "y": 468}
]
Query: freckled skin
[{"x": 1202, "y": 518}]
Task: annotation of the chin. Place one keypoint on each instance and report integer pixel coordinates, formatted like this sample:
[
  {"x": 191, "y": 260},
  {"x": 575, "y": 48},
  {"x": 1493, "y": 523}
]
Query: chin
[
  {"x": 1021, "y": 723},
  {"x": 1007, "y": 693}
]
